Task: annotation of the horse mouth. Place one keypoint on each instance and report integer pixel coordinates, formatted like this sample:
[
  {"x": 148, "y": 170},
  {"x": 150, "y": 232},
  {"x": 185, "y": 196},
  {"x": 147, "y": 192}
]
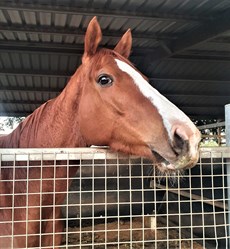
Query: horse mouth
[
  {"x": 182, "y": 162},
  {"x": 162, "y": 163}
]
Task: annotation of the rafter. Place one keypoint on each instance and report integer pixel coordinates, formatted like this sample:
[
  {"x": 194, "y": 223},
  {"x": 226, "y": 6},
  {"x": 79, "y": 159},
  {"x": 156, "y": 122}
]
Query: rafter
[
  {"x": 15, "y": 114},
  {"x": 104, "y": 12},
  {"x": 56, "y": 48},
  {"x": 66, "y": 75},
  {"x": 204, "y": 112},
  {"x": 76, "y": 32},
  {"x": 40, "y": 73},
  {"x": 205, "y": 32},
  {"x": 196, "y": 59},
  {"x": 31, "y": 89},
  {"x": 190, "y": 80},
  {"x": 58, "y": 90},
  {"x": 195, "y": 95},
  {"x": 21, "y": 102}
]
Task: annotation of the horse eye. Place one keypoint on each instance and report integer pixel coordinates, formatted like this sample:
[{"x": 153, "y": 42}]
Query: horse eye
[{"x": 105, "y": 80}]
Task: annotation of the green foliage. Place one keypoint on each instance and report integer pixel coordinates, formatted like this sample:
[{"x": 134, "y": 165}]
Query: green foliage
[{"x": 208, "y": 143}]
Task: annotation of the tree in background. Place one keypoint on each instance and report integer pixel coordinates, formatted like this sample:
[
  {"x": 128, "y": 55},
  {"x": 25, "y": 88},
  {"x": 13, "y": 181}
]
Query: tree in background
[{"x": 7, "y": 123}]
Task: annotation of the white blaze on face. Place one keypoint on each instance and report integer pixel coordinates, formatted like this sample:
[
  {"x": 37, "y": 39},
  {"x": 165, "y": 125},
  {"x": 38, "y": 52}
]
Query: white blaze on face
[{"x": 168, "y": 111}]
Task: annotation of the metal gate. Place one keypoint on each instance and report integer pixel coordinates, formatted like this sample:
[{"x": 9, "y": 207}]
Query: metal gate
[{"x": 117, "y": 201}]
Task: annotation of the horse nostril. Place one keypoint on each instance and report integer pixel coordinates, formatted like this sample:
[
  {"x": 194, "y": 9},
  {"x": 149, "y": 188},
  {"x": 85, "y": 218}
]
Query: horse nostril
[{"x": 180, "y": 141}]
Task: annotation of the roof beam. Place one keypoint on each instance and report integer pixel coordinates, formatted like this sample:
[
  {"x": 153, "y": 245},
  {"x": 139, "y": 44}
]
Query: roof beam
[
  {"x": 15, "y": 114},
  {"x": 76, "y": 32},
  {"x": 78, "y": 50},
  {"x": 205, "y": 32},
  {"x": 54, "y": 48},
  {"x": 194, "y": 95},
  {"x": 66, "y": 75},
  {"x": 191, "y": 80},
  {"x": 198, "y": 59},
  {"x": 31, "y": 89},
  {"x": 58, "y": 90},
  {"x": 210, "y": 126},
  {"x": 41, "y": 47},
  {"x": 209, "y": 55},
  {"x": 104, "y": 12},
  {"x": 22, "y": 102},
  {"x": 18, "y": 72},
  {"x": 203, "y": 113}
]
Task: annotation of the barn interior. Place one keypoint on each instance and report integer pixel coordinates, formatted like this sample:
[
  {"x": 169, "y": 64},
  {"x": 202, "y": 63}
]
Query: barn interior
[{"x": 183, "y": 47}]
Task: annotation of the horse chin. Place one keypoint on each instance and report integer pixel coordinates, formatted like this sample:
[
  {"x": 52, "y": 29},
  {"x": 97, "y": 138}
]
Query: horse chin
[
  {"x": 161, "y": 163},
  {"x": 181, "y": 163}
]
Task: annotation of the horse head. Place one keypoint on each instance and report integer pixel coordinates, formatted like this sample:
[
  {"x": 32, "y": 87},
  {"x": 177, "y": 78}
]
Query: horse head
[{"x": 120, "y": 109}]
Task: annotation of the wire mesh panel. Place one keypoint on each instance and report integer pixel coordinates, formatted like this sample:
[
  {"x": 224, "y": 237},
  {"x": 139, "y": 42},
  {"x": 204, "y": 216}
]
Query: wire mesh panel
[{"x": 114, "y": 201}]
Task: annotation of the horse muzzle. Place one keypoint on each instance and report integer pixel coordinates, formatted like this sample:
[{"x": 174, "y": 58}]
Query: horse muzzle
[
  {"x": 182, "y": 151},
  {"x": 186, "y": 145}
]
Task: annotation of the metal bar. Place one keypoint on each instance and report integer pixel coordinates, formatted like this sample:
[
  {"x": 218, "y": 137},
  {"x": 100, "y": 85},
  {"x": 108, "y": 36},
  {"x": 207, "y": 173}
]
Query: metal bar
[
  {"x": 206, "y": 53},
  {"x": 216, "y": 152},
  {"x": 30, "y": 89},
  {"x": 35, "y": 73},
  {"x": 210, "y": 126},
  {"x": 58, "y": 154},
  {"x": 196, "y": 59},
  {"x": 194, "y": 95},
  {"x": 227, "y": 133},
  {"x": 57, "y": 90},
  {"x": 63, "y": 48},
  {"x": 215, "y": 136},
  {"x": 65, "y": 74},
  {"x": 88, "y": 153},
  {"x": 41, "y": 47},
  {"x": 77, "y": 32},
  {"x": 15, "y": 114},
  {"x": 188, "y": 80},
  {"x": 227, "y": 123},
  {"x": 71, "y": 10},
  {"x": 59, "y": 74},
  {"x": 22, "y": 102},
  {"x": 195, "y": 197}
]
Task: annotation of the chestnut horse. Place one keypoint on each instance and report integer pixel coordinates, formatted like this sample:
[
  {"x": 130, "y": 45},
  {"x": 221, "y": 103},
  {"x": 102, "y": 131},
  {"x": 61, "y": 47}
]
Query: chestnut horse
[{"x": 106, "y": 102}]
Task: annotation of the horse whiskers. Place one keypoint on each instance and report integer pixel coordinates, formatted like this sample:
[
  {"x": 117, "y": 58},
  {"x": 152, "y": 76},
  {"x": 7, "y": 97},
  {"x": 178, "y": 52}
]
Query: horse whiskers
[{"x": 173, "y": 177}]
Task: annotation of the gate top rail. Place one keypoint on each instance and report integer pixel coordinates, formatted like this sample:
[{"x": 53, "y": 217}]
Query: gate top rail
[
  {"x": 37, "y": 154},
  {"x": 92, "y": 153}
]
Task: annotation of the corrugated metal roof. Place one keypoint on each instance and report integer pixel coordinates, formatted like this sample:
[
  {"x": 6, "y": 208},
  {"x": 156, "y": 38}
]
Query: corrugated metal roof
[{"x": 182, "y": 46}]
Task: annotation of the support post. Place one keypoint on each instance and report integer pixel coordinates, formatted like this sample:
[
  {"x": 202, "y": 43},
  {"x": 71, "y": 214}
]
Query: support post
[
  {"x": 227, "y": 124},
  {"x": 227, "y": 135}
]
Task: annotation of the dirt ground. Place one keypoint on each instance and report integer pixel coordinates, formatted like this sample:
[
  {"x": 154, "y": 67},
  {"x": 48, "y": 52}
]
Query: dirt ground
[{"x": 125, "y": 234}]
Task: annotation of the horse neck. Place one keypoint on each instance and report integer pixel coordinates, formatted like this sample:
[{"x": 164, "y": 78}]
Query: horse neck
[{"x": 52, "y": 125}]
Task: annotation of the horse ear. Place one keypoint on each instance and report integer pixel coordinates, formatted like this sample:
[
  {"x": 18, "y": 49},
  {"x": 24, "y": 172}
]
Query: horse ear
[
  {"x": 124, "y": 46},
  {"x": 92, "y": 38}
]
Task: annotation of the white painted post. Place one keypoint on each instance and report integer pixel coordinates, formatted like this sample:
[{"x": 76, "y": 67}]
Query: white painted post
[{"x": 227, "y": 134}]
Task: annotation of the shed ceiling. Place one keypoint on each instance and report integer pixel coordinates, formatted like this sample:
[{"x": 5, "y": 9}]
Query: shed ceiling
[{"x": 182, "y": 46}]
